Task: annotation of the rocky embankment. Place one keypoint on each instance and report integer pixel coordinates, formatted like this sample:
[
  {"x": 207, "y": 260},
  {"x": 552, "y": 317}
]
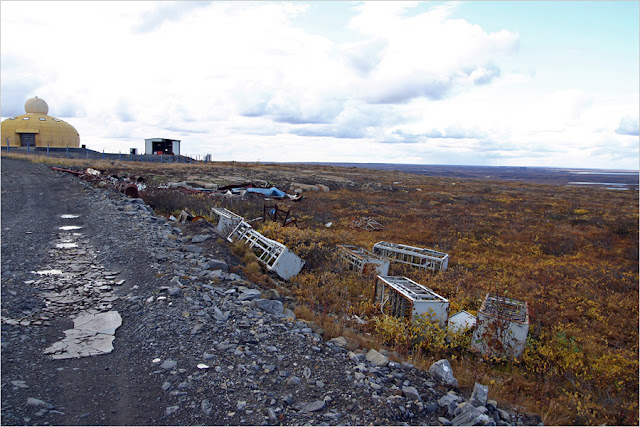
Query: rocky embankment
[{"x": 201, "y": 345}]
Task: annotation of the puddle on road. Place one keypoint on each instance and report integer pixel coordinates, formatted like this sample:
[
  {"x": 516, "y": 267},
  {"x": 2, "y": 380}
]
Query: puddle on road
[
  {"x": 69, "y": 216},
  {"x": 70, "y": 227},
  {"x": 92, "y": 335}
]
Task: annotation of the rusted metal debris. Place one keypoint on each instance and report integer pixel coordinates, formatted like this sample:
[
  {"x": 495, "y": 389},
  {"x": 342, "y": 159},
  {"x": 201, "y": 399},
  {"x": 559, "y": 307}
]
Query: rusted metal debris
[
  {"x": 129, "y": 186},
  {"x": 276, "y": 214},
  {"x": 367, "y": 224}
]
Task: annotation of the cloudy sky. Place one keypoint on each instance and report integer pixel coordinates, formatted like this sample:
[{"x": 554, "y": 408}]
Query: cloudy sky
[{"x": 477, "y": 83}]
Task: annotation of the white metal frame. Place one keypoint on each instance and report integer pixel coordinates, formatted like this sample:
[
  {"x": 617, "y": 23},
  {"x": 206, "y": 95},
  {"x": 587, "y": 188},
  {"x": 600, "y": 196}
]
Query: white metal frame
[
  {"x": 274, "y": 255},
  {"x": 502, "y": 326},
  {"x": 402, "y": 297},
  {"x": 424, "y": 258},
  {"x": 359, "y": 258}
]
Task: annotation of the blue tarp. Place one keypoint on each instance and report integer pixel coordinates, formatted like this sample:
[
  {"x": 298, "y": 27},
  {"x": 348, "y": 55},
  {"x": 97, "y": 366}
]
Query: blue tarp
[{"x": 271, "y": 192}]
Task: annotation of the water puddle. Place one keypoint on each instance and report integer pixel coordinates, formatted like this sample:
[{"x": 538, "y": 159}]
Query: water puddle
[
  {"x": 69, "y": 216},
  {"x": 66, "y": 245},
  {"x": 70, "y": 227},
  {"x": 92, "y": 335}
]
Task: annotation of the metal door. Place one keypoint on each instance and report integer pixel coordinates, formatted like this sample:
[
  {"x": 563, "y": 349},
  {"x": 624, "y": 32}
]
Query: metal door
[{"x": 28, "y": 139}]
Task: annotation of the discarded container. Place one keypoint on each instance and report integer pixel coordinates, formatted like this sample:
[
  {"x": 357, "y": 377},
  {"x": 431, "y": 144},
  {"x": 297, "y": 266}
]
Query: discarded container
[
  {"x": 274, "y": 255},
  {"x": 461, "y": 321},
  {"x": 402, "y": 297},
  {"x": 424, "y": 258},
  {"x": 227, "y": 220},
  {"x": 362, "y": 260},
  {"x": 502, "y": 327}
]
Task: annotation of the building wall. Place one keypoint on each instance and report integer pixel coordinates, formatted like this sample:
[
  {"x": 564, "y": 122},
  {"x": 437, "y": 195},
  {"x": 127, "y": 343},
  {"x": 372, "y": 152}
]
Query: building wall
[{"x": 48, "y": 131}]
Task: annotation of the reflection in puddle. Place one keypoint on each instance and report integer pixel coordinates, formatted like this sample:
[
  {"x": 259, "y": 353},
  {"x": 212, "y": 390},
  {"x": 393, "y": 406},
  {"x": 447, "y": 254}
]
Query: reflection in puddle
[
  {"x": 48, "y": 272},
  {"x": 70, "y": 227},
  {"x": 66, "y": 245},
  {"x": 69, "y": 216}
]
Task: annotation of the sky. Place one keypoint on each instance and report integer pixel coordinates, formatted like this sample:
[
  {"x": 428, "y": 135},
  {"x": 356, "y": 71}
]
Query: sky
[{"x": 504, "y": 83}]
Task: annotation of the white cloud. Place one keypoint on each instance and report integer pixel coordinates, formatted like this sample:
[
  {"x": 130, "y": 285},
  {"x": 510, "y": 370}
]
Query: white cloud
[{"x": 246, "y": 80}]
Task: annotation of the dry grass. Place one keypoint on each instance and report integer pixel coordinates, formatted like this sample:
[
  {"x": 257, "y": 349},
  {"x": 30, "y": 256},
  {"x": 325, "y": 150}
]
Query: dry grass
[{"x": 572, "y": 254}]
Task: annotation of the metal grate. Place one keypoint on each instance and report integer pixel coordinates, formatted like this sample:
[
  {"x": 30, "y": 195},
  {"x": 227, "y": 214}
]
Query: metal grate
[
  {"x": 505, "y": 308},
  {"x": 424, "y": 258}
]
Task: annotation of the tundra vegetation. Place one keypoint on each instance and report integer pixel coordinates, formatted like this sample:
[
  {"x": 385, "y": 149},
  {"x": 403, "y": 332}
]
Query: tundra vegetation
[{"x": 570, "y": 253}]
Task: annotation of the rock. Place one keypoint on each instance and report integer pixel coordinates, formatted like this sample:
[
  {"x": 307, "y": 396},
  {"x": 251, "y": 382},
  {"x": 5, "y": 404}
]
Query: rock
[
  {"x": 272, "y": 294},
  {"x": 441, "y": 371},
  {"x": 168, "y": 364},
  {"x": 411, "y": 393},
  {"x": 272, "y": 306},
  {"x": 449, "y": 402},
  {"x": 249, "y": 294},
  {"x": 206, "y": 406},
  {"x": 339, "y": 341},
  {"x": 479, "y": 395},
  {"x": 470, "y": 416},
  {"x": 272, "y": 415},
  {"x": 444, "y": 421},
  {"x": 200, "y": 238},
  {"x": 215, "y": 264},
  {"x": 193, "y": 249},
  {"x": 241, "y": 405},
  {"x": 174, "y": 292},
  {"x": 293, "y": 381},
  {"x": 32, "y": 401},
  {"x": 311, "y": 406},
  {"x": 376, "y": 358},
  {"x": 171, "y": 409},
  {"x": 322, "y": 187}
]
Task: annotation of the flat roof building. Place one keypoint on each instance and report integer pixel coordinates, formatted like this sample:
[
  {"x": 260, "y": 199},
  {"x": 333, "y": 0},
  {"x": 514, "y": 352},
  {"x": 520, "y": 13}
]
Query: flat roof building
[{"x": 162, "y": 146}]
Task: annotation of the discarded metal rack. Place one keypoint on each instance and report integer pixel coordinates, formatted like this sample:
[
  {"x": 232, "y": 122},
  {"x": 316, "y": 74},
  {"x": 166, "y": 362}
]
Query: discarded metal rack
[
  {"x": 361, "y": 259},
  {"x": 368, "y": 224},
  {"x": 502, "y": 326},
  {"x": 276, "y": 214},
  {"x": 274, "y": 255},
  {"x": 424, "y": 258},
  {"x": 402, "y": 297}
]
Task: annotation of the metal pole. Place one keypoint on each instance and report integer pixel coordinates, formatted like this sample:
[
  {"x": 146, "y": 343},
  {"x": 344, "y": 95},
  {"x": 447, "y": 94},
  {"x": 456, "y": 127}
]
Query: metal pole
[
  {"x": 47, "y": 150},
  {"x": 87, "y": 151},
  {"x": 27, "y": 147},
  {"x": 7, "y": 145},
  {"x": 67, "y": 151},
  {"x": 161, "y": 154},
  {"x": 119, "y": 155},
  {"x": 103, "y": 154}
]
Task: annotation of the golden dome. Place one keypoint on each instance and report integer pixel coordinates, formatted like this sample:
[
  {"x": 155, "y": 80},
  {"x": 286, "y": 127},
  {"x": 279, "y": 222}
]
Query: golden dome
[{"x": 38, "y": 129}]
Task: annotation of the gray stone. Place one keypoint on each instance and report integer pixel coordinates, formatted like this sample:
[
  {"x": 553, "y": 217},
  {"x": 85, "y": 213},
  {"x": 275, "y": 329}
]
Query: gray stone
[
  {"x": 479, "y": 395},
  {"x": 469, "y": 416},
  {"x": 411, "y": 393},
  {"x": 441, "y": 371},
  {"x": 288, "y": 399},
  {"x": 444, "y": 421},
  {"x": 166, "y": 386},
  {"x": 504, "y": 415},
  {"x": 168, "y": 364},
  {"x": 449, "y": 402},
  {"x": 206, "y": 406},
  {"x": 174, "y": 292},
  {"x": 171, "y": 409},
  {"x": 339, "y": 341},
  {"x": 200, "y": 238},
  {"x": 311, "y": 406},
  {"x": 406, "y": 365},
  {"x": 377, "y": 358},
  {"x": 293, "y": 381},
  {"x": 431, "y": 407},
  {"x": 32, "y": 401},
  {"x": 215, "y": 264},
  {"x": 270, "y": 306},
  {"x": 193, "y": 249},
  {"x": 249, "y": 294}
]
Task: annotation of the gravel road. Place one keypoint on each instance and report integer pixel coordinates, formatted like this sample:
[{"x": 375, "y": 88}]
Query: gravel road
[{"x": 197, "y": 343}]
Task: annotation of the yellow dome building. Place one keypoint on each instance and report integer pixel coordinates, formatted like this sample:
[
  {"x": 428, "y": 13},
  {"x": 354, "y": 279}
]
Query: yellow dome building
[{"x": 37, "y": 129}]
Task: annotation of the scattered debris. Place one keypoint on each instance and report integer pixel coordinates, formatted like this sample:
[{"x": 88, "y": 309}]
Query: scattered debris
[
  {"x": 276, "y": 214},
  {"x": 402, "y": 297},
  {"x": 367, "y": 224},
  {"x": 502, "y": 327},
  {"x": 424, "y": 258},
  {"x": 363, "y": 261}
]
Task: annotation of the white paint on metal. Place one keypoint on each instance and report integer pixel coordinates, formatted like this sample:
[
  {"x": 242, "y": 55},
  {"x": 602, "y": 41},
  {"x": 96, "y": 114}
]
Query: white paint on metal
[
  {"x": 461, "y": 321},
  {"x": 402, "y": 297},
  {"x": 424, "y": 258},
  {"x": 502, "y": 326},
  {"x": 359, "y": 258}
]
